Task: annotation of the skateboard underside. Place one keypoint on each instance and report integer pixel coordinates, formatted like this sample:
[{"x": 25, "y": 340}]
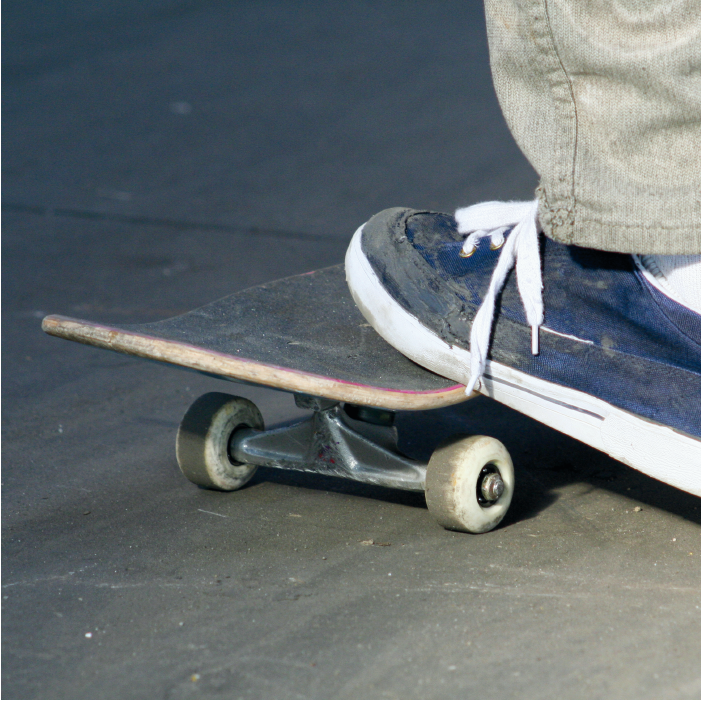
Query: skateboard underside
[{"x": 302, "y": 334}]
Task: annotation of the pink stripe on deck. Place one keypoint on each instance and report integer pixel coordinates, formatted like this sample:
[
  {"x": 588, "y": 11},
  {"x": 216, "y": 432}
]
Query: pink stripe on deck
[{"x": 219, "y": 354}]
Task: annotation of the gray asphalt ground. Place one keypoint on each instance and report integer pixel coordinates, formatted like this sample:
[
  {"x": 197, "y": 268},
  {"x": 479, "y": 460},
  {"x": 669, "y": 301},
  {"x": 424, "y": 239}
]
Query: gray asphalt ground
[{"x": 159, "y": 154}]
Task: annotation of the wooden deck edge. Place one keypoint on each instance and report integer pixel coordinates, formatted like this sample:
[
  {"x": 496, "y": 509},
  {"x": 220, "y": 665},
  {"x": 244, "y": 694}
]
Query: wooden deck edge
[{"x": 232, "y": 367}]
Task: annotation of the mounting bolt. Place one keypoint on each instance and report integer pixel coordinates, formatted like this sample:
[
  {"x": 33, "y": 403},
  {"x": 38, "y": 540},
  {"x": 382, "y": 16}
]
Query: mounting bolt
[
  {"x": 492, "y": 486},
  {"x": 307, "y": 401}
]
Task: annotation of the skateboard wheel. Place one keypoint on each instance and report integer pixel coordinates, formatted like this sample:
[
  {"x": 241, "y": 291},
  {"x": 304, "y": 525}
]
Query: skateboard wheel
[
  {"x": 202, "y": 445},
  {"x": 469, "y": 483}
]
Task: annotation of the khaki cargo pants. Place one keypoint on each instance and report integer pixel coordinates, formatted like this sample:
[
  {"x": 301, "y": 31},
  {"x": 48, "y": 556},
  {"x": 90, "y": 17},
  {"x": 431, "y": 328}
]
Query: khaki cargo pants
[{"x": 604, "y": 99}]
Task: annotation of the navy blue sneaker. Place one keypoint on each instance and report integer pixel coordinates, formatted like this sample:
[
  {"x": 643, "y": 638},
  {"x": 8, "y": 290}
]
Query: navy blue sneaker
[{"x": 601, "y": 354}]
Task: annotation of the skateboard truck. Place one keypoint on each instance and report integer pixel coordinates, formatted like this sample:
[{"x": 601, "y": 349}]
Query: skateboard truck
[
  {"x": 468, "y": 482},
  {"x": 332, "y": 442}
]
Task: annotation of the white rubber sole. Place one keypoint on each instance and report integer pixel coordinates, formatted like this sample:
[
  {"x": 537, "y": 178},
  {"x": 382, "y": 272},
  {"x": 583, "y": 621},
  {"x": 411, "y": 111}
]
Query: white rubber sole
[{"x": 656, "y": 450}]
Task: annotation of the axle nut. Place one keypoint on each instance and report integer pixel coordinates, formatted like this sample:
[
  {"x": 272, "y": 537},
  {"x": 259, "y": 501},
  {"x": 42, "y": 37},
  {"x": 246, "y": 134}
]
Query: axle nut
[{"x": 492, "y": 486}]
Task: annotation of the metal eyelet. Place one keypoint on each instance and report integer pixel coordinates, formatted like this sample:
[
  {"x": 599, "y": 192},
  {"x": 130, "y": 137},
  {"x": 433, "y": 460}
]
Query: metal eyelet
[{"x": 465, "y": 254}]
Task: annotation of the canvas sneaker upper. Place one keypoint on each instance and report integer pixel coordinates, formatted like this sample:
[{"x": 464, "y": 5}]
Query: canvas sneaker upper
[{"x": 606, "y": 331}]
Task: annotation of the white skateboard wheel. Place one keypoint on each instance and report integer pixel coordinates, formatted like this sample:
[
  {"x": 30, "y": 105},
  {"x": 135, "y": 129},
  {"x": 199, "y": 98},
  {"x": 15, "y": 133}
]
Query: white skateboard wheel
[
  {"x": 202, "y": 444},
  {"x": 469, "y": 483}
]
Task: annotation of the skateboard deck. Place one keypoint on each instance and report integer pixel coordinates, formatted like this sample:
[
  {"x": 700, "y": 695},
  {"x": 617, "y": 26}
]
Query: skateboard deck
[{"x": 300, "y": 334}]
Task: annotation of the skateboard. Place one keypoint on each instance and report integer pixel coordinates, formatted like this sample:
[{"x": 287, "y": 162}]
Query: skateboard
[{"x": 304, "y": 335}]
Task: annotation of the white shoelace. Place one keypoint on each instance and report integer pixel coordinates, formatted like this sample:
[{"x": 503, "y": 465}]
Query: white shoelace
[{"x": 493, "y": 219}]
